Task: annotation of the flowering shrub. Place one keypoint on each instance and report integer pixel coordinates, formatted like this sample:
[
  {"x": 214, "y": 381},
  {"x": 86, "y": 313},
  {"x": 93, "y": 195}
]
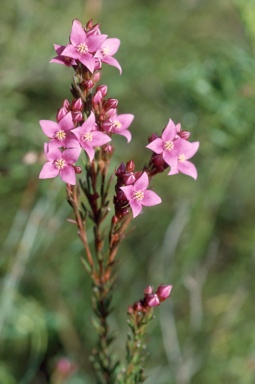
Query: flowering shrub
[{"x": 84, "y": 128}]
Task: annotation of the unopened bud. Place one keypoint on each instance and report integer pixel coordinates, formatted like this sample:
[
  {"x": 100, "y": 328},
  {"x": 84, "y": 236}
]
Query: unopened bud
[
  {"x": 102, "y": 89},
  {"x": 130, "y": 166},
  {"x": 163, "y": 292},
  {"x": 111, "y": 103},
  {"x": 77, "y": 104},
  {"x": 151, "y": 300},
  {"x": 96, "y": 76},
  {"x": 61, "y": 113},
  {"x": 77, "y": 169},
  {"x": 184, "y": 135},
  {"x": 66, "y": 104},
  {"x": 148, "y": 290}
]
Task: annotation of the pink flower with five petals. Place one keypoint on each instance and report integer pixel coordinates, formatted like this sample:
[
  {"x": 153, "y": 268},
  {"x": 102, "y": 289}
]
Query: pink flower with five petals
[
  {"x": 183, "y": 165},
  {"x": 138, "y": 195},
  {"x": 89, "y": 137}
]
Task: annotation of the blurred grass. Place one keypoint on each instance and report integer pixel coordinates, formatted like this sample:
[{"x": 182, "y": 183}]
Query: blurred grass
[{"x": 189, "y": 60}]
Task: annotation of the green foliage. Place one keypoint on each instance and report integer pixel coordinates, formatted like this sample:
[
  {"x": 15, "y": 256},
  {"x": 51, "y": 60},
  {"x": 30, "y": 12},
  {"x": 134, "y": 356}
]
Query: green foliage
[{"x": 192, "y": 61}]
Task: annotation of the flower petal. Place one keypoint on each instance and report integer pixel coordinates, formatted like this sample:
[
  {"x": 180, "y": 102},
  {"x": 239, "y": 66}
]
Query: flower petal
[
  {"x": 188, "y": 168},
  {"x": 49, "y": 127},
  {"x": 136, "y": 207},
  {"x": 48, "y": 171},
  {"x": 78, "y": 35},
  {"x": 67, "y": 174},
  {"x": 156, "y": 145},
  {"x": 150, "y": 198},
  {"x": 142, "y": 183},
  {"x": 66, "y": 123}
]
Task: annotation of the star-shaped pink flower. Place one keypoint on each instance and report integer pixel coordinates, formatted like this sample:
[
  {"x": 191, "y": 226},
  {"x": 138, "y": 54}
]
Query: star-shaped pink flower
[
  {"x": 60, "y": 133},
  {"x": 88, "y": 137},
  {"x": 119, "y": 124},
  {"x": 107, "y": 50},
  {"x": 168, "y": 144},
  {"x": 83, "y": 47},
  {"x": 60, "y": 163},
  {"x": 138, "y": 195}
]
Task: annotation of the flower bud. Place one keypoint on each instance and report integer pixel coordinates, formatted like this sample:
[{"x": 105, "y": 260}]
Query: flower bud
[
  {"x": 184, "y": 134},
  {"x": 96, "y": 76},
  {"x": 111, "y": 103},
  {"x": 129, "y": 178},
  {"x": 77, "y": 104},
  {"x": 130, "y": 166},
  {"x": 148, "y": 290},
  {"x": 61, "y": 113},
  {"x": 66, "y": 104},
  {"x": 102, "y": 89},
  {"x": 151, "y": 300},
  {"x": 120, "y": 170},
  {"x": 77, "y": 116},
  {"x": 88, "y": 84},
  {"x": 77, "y": 169},
  {"x": 163, "y": 292}
]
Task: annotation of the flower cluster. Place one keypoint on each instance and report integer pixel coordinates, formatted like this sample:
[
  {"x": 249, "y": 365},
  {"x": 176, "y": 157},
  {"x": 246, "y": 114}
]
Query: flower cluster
[
  {"x": 89, "y": 121},
  {"x": 151, "y": 299}
]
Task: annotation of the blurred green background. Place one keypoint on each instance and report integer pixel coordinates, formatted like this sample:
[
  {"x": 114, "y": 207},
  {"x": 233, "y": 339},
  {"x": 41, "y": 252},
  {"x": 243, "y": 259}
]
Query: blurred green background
[{"x": 193, "y": 61}]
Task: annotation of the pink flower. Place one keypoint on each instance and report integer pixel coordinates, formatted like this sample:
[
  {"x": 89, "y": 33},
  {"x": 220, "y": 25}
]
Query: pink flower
[
  {"x": 83, "y": 46},
  {"x": 107, "y": 50},
  {"x": 89, "y": 137},
  {"x": 119, "y": 124},
  {"x": 60, "y": 59},
  {"x": 60, "y": 133},
  {"x": 60, "y": 163},
  {"x": 163, "y": 292},
  {"x": 183, "y": 165},
  {"x": 175, "y": 150},
  {"x": 138, "y": 195}
]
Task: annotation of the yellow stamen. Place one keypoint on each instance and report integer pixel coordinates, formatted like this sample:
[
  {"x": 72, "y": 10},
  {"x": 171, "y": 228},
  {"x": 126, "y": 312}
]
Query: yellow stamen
[
  {"x": 181, "y": 158},
  {"x": 169, "y": 145},
  {"x": 60, "y": 135},
  {"x": 138, "y": 195},
  {"x": 87, "y": 137},
  {"x": 60, "y": 163},
  {"x": 117, "y": 124},
  {"x": 82, "y": 48}
]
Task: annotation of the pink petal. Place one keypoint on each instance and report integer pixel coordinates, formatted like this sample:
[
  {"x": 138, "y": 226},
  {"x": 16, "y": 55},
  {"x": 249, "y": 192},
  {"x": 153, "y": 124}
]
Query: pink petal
[
  {"x": 142, "y": 183},
  {"x": 126, "y": 134},
  {"x": 48, "y": 171},
  {"x": 136, "y": 207},
  {"x": 191, "y": 149},
  {"x": 125, "y": 120},
  {"x": 112, "y": 45},
  {"x": 128, "y": 190},
  {"x": 89, "y": 150},
  {"x": 71, "y": 51},
  {"x": 66, "y": 123},
  {"x": 150, "y": 198},
  {"x": 112, "y": 61},
  {"x": 95, "y": 42},
  {"x": 156, "y": 146},
  {"x": 169, "y": 132},
  {"x": 188, "y": 169},
  {"x": 78, "y": 35},
  {"x": 67, "y": 174},
  {"x": 99, "y": 138},
  {"x": 49, "y": 127},
  {"x": 88, "y": 61},
  {"x": 71, "y": 155}
]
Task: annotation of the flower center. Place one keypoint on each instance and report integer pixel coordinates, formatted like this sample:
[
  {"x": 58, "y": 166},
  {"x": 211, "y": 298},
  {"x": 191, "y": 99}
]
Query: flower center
[
  {"x": 60, "y": 163},
  {"x": 116, "y": 124},
  {"x": 87, "y": 137},
  {"x": 169, "y": 145},
  {"x": 138, "y": 195},
  {"x": 60, "y": 135},
  {"x": 83, "y": 48},
  {"x": 181, "y": 157},
  {"x": 105, "y": 51}
]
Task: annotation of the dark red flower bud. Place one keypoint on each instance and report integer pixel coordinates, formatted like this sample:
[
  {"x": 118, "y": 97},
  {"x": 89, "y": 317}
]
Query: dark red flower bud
[
  {"x": 184, "y": 135},
  {"x": 77, "y": 169},
  {"x": 130, "y": 166}
]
